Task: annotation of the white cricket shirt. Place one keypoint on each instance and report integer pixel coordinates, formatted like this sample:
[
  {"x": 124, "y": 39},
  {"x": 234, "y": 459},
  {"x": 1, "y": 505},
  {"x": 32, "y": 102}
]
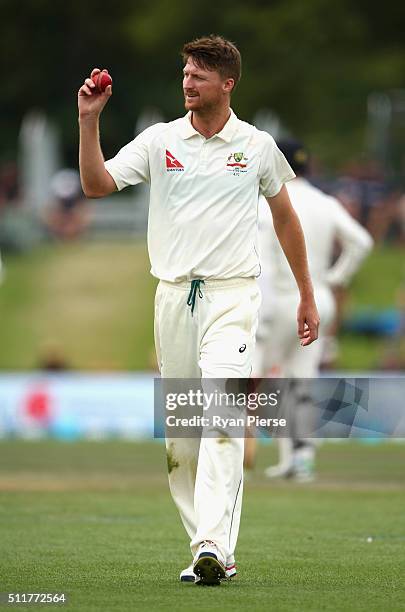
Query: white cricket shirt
[
  {"x": 324, "y": 220},
  {"x": 204, "y": 195}
]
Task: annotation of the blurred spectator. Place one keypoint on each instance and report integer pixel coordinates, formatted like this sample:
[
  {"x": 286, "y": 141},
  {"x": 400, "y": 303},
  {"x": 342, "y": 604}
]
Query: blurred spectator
[
  {"x": 67, "y": 214},
  {"x": 360, "y": 188},
  {"x": 401, "y": 218},
  {"x": 394, "y": 354},
  {"x": 52, "y": 359},
  {"x": 369, "y": 197},
  {"x": 18, "y": 227},
  {"x": 9, "y": 190},
  {"x": 385, "y": 220}
]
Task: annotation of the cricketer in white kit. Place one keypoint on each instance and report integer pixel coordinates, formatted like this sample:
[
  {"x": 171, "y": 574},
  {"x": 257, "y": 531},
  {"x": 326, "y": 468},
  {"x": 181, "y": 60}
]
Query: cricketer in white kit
[
  {"x": 206, "y": 171},
  {"x": 325, "y": 224}
]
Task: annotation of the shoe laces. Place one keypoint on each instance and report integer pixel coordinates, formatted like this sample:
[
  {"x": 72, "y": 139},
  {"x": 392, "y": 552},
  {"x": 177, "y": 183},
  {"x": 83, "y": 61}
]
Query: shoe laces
[{"x": 208, "y": 543}]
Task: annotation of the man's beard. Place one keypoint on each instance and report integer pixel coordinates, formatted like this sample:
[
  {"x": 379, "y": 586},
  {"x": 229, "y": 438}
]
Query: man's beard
[{"x": 204, "y": 108}]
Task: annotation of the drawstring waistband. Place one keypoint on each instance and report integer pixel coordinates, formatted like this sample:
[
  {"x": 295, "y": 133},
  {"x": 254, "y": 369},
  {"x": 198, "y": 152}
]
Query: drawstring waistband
[{"x": 195, "y": 286}]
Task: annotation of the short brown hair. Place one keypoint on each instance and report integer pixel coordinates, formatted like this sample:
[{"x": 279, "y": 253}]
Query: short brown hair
[{"x": 215, "y": 53}]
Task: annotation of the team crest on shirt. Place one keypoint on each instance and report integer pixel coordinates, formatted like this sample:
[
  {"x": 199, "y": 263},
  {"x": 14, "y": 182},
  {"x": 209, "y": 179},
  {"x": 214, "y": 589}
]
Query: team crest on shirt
[{"x": 237, "y": 163}]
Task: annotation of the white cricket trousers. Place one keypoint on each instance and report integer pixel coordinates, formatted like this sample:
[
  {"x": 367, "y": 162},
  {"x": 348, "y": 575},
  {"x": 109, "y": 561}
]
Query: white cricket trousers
[
  {"x": 279, "y": 353},
  {"x": 216, "y": 341}
]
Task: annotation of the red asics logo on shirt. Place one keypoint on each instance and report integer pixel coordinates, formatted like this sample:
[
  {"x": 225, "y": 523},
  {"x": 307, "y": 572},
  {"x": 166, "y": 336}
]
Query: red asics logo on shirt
[{"x": 173, "y": 164}]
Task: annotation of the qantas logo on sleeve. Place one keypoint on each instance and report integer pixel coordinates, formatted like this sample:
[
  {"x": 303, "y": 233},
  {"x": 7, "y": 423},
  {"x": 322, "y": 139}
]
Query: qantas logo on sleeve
[{"x": 173, "y": 164}]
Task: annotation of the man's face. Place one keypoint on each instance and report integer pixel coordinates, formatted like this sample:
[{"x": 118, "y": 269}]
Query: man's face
[{"x": 203, "y": 89}]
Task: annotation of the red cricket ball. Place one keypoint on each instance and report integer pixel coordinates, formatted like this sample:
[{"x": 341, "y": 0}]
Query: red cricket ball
[{"x": 101, "y": 80}]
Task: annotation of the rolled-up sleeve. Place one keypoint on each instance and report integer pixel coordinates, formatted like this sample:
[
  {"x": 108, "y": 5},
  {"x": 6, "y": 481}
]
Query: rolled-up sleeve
[{"x": 131, "y": 164}]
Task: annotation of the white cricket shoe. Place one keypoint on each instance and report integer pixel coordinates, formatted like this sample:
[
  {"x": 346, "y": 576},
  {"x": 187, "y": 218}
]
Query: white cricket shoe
[
  {"x": 304, "y": 464},
  {"x": 187, "y": 575},
  {"x": 279, "y": 471},
  {"x": 208, "y": 564},
  {"x": 302, "y": 468},
  {"x": 230, "y": 570}
]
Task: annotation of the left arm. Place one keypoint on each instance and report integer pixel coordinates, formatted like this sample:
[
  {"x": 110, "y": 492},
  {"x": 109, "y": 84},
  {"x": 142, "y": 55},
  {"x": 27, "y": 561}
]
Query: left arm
[{"x": 291, "y": 238}]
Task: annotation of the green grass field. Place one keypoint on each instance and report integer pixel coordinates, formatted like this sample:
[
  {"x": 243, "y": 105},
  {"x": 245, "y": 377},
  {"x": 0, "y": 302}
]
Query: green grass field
[
  {"x": 93, "y": 302},
  {"x": 95, "y": 520}
]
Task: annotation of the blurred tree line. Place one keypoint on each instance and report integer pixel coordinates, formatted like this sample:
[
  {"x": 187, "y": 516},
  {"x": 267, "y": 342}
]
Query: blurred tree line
[{"x": 313, "y": 62}]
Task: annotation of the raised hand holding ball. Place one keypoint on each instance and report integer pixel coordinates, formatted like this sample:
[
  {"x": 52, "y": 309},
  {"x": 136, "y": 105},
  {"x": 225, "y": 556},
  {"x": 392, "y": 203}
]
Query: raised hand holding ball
[
  {"x": 101, "y": 80},
  {"x": 94, "y": 93}
]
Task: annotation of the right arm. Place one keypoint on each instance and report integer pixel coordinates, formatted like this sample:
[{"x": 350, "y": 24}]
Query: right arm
[{"x": 96, "y": 181}]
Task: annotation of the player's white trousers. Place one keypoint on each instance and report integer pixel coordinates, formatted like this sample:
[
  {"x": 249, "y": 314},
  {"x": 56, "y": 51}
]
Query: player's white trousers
[
  {"x": 216, "y": 341},
  {"x": 279, "y": 353}
]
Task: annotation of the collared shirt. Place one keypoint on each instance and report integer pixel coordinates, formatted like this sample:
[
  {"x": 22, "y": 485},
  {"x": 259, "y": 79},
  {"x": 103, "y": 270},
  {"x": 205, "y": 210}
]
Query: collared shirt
[{"x": 204, "y": 195}]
